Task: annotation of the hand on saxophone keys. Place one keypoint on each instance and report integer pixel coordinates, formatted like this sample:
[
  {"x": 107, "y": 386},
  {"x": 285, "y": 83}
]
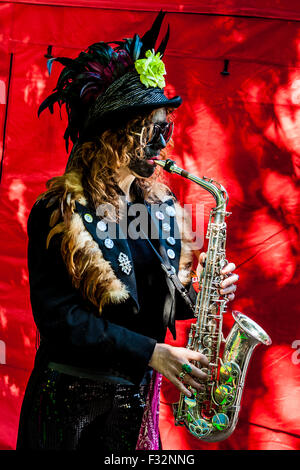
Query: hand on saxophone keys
[
  {"x": 178, "y": 365},
  {"x": 228, "y": 285}
]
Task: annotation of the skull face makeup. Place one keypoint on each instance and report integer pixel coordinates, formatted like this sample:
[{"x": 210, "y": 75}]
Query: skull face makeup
[{"x": 145, "y": 167}]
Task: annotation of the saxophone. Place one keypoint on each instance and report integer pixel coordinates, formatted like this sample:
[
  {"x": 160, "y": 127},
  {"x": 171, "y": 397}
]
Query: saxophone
[{"x": 211, "y": 414}]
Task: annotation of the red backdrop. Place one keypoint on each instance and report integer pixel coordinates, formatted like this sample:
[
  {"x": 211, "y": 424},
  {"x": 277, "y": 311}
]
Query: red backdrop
[{"x": 240, "y": 129}]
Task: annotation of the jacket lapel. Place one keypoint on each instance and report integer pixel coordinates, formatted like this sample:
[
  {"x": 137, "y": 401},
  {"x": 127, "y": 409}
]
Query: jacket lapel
[
  {"x": 114, "y": 249},
  {"x": 165, "y": 227},
  {"x": 114, "y": 246}
]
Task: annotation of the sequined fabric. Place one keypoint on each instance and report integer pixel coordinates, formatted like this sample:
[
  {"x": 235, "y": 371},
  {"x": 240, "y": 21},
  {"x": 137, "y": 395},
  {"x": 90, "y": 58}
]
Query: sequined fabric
[{"x": 73, "y": 413}]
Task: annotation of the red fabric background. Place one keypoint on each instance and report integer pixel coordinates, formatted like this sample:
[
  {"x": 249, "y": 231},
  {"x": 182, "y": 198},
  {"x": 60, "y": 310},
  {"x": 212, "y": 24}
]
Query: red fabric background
[{"x": 240, "y": 129}]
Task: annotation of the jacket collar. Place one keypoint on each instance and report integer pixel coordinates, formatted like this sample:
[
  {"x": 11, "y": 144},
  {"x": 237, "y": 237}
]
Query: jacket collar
[{"x": 114, "y": 247}]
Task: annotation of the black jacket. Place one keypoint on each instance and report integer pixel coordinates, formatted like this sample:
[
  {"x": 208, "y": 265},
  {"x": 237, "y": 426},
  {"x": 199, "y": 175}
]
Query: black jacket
[
  {"x": 71, "y": 333},
  {"x": 118, "y": 343}
]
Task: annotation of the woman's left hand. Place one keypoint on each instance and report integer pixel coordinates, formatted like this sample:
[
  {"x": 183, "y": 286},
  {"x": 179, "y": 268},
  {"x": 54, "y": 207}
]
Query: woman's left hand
[{"x": 228, "y": 286}]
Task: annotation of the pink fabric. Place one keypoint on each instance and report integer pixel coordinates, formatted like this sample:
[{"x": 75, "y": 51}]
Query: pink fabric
[{"x": 149, "y": 433}]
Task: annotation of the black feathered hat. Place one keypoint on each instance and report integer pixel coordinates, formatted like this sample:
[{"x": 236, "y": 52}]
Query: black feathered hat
[{"x": 105, "y": 86}]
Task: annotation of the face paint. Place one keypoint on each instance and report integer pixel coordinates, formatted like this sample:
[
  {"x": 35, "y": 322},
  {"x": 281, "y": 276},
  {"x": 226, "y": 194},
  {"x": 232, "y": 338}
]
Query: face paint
[{"x": 146, "y": 166}]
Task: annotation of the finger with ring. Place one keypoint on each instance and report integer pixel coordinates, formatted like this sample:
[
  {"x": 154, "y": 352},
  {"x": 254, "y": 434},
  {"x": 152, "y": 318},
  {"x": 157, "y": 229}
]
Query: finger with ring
[
  {"x": 182, "y": 375},
  {"x": 186, "y": 368}
]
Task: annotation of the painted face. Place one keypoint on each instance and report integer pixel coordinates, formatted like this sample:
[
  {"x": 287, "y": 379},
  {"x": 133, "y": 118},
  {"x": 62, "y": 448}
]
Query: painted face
[{"x": 146, "y": 166}]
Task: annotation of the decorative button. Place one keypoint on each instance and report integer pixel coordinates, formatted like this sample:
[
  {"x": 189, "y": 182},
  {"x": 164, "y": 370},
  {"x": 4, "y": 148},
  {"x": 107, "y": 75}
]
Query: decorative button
[
  {"x": 171, "y": 240},
  {"x": 101, "y": 226},
  {"x": 108, "y": 243},
  {"x": 124, "y": 263},
  {"x": 88, "y": 218},
  {"x": 171, "y": 253},
  {"x": 170, "y": 211},
  {"x": 166, "y": 227},
  {"x": 159, "y": 215}
]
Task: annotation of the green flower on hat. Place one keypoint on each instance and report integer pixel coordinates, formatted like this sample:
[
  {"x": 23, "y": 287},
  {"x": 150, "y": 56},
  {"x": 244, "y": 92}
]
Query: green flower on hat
[{"x": 151, "y": 70}]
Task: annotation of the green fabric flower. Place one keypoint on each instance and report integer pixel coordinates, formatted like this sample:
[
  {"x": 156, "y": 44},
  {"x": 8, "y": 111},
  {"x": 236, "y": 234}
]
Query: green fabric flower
[{"x": 151, "y": 70}]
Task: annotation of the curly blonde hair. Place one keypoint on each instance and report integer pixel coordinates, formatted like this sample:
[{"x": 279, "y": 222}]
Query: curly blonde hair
[
  {"x": 91, "y": 179},
  {"x": 95, "y": 164}
]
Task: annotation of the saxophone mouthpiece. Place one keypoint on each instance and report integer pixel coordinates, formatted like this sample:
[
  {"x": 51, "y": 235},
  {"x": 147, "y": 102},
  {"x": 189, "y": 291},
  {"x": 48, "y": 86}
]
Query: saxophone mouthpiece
[
  {"x": 168, "y": 165},
  {"x": 159, "y": 162}
]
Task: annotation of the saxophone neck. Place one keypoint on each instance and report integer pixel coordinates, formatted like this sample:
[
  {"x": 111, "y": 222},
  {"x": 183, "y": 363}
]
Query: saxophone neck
[{"x": 213, "y": 187}]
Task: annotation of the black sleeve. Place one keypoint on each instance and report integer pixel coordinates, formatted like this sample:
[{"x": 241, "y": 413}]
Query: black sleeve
[
  {"x": 73, "y": 334},
  {"x": 183, "y": 310}
]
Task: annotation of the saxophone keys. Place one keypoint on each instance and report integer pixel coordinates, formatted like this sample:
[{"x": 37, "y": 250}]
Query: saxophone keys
[
  {"x": 199, "y": 428},
  {"x": 191, "y": 402},
  {"x": 229, "y": 372},
  {"x": 211, "y": 326},
  {"x": 208, "y": 353},
  {"x": 207, "y": 341},
  {"x": 223, "y": 263},
  {"x": 213, "y": 364},
  {"x": 221, "y": 394},
  {"x": 220, "y": 421}
]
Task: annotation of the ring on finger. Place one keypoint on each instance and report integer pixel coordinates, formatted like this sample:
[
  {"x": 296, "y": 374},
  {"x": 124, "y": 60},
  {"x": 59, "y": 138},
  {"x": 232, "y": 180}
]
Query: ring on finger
[
  {"x": 182, "y": 375},
  {"x": 186, "y": 368}
]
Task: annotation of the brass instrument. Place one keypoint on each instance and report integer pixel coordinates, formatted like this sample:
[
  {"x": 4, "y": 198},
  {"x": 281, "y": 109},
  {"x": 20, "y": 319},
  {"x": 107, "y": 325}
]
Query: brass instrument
[{"x": 211, "y": 414}]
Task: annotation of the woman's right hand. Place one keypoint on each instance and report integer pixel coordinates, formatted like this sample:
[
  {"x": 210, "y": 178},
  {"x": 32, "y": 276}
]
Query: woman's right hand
[{"x": 168, "y": 360}]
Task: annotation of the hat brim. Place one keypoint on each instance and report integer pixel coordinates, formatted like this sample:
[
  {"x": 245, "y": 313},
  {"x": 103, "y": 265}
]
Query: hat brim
[{"x": 126, "y": 98}]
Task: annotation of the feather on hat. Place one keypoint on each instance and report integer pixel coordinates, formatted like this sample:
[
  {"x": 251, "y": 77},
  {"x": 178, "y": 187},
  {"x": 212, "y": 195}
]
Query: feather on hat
[{"x": 105, "y": 84}]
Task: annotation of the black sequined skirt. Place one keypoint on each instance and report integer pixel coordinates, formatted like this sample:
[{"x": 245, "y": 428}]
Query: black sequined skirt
[{"x": 75, "y": 413}]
